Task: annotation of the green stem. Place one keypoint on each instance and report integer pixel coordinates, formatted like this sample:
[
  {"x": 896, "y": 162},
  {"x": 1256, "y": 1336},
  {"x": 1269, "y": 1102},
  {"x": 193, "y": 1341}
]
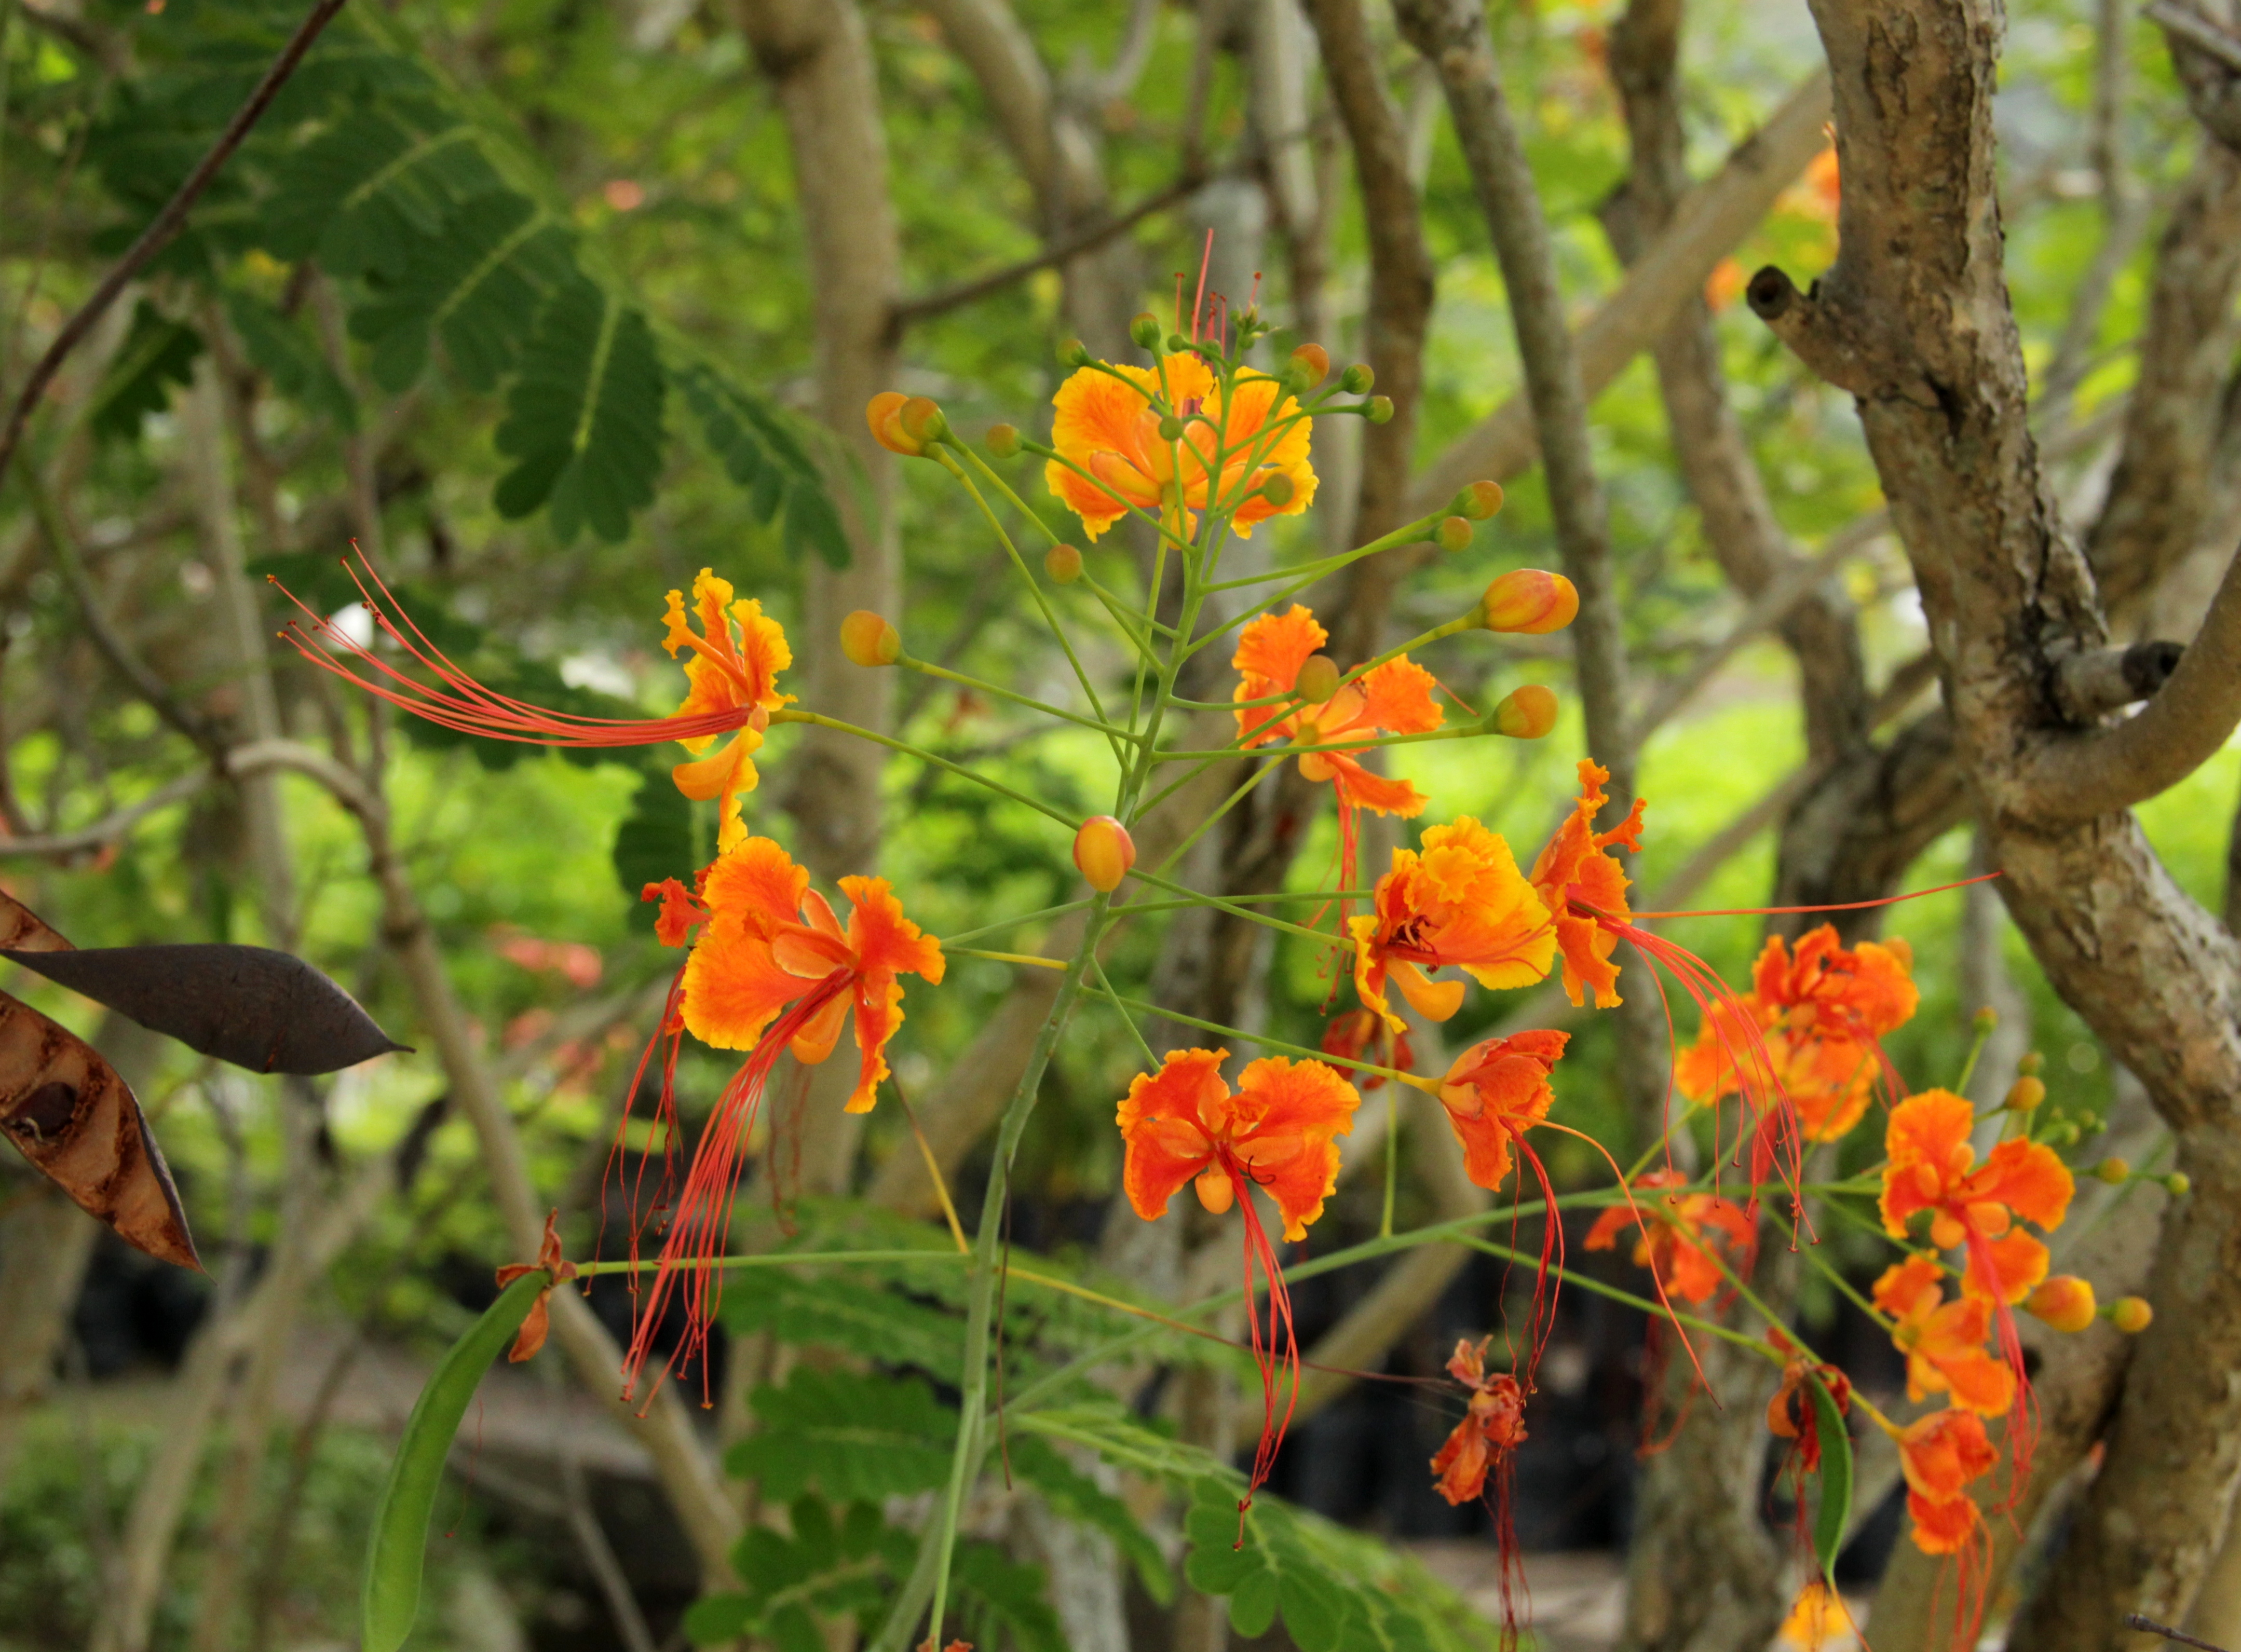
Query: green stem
[
  {"x": 928, "y": 669},
  {"x": 818, "y": 720}
]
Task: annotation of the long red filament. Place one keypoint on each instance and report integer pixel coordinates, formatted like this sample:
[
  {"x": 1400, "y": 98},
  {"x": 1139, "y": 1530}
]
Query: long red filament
[
  {"x": 458, "y": 701},
  {"x": 1277, "y": 1353},
  {"x": 2023, "y": 1415},
  {"x": 668, "y": 1037}
]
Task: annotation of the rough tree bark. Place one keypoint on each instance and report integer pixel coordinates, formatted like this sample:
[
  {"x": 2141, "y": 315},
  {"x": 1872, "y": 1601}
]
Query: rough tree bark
[{"x": 1914, "y": 320}]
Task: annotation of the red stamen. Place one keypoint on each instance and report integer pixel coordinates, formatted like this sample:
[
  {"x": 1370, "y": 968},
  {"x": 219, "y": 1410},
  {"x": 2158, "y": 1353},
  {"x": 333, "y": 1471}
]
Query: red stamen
[
  {"x": 1834, "y": 905},
  {"x": 1276, "y": 1364}
]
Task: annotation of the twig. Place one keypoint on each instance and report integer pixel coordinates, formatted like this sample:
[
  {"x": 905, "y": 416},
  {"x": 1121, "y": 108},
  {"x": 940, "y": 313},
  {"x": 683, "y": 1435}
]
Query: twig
[
  {"x": 103, "y": 832},
  {"x": 909, "y": 311},
  {"x": 165, "y": 224},
  {"x": 2137, "y": 1621},
  {"x": 2222, "y": 46}
]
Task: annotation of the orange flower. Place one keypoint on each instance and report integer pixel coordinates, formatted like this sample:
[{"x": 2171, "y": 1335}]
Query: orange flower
[
  {"x": 1791, "y": 1414},
  {"x": 734, "y": 661},
  {"x": 1278, "y": 1131},
  {"x": 1580, "y": 882},
  {"x": 1940, "y": 1455},
  {"x": 1817, "y": 1016},
  {"x": 771, "y": 941},
  {"x": 1818, "y": 1621},
  {"x": 1677, "y": 1248},
  {"x": 1944, "y": 1342},
  {"x": 1496, "y": 1091},
  {"x": 1460, "y": 900},
  {"x": 1493, "y": 1426},
  {"x": 1233, "y": 438},
  {"x": 1396, "y": 698},
  {"x": 1930, "y": 1169},
  {"x": 1355, "y": 1032}
]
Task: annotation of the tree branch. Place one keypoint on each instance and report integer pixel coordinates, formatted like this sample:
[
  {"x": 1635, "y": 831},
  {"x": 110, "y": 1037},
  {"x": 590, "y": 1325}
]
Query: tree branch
[
  {"x": 103, "y": 833},
  {"x": 164, "y": 225}
]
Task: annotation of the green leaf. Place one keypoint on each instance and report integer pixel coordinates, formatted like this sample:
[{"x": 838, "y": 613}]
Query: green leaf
[
  {"x": 476, "y": 283},
  {"x": 1253, "y": 1605},
  {"x": 157, "y": 353},
  {"x": 854, "y": 1437},
  {"x": 584, "y": 416},
  {"x": 1008, "y": 1593},
  {"x": 824, "y": 1570},
  {"x": 761, "y": 453},
  {"x": 399, "y": 1545},
  {"x": 361, "y": 193},
  {"x": 655, "y": 840},
  {"x": 279, "y": 350},
  {"x": 1836, "y": 1508},
  {"x": 857, "y": 1318}
]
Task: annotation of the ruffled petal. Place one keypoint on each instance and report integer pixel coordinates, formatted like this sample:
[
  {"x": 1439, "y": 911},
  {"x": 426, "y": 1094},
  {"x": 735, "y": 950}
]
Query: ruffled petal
[
  {"x": 1290, "y": 1114},
  {"x": 878, "y": 1018},
  {"x": 1161, "y": 1122},
  {"x": 1587, "y": 948},
  {"x": 2007, "y": 1269},
  {"x": 763, "y": 652},
  {"x": 882, "y": 938},
  {"x": 1360, "y": 789},
  {"x": 758, "y": 881},
  {"x": 1923, "y": 1133},
  {"x": 2027, "y": 1177},
  {"x": 733, "y": 989},
  {"x": 1272, "y": 648},
  {"x": 1397, "y": 697}
]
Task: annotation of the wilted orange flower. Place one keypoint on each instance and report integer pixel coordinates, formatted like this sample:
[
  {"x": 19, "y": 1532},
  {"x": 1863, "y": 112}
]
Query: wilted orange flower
[
  {"x": 1944, "y": 1342},
  {"x": 1491, "y": 1426},
  {"x": 731, "y": 667},
  {"x": 1394, "y": 699},
  {"x": 1496, "y": 1091},
  {"x": 1940, "y": 1455},
  {"x": 1681, "y": 1232},
  {"x": 732, "y": 687},
  {"x": 1279, "y": 1131},
  {"x": 1581, "y": 883},
  {"x": 1459, "y": 900},
  {"x": 772, "y": 941},
  {"x": 1933, "y": 1168},
  {"x": 1791, "y": 1414},
  {"x": 535, "y": 1325},
  {"x": 1108, "y": 426},
  {"x": 1817, "y": 1015},
  {"x": 1351, "y": 1034}
]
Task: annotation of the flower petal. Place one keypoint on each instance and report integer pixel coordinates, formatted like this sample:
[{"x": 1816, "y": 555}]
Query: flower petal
[{"x": 1161, "y": 1122}]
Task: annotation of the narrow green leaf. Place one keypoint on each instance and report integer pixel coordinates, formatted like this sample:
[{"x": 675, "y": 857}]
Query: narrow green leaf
[
  {"x": 157, "y": 353},
  {"x": 1835, "y": 1479},
  {"x": 399, "y": 1548}
]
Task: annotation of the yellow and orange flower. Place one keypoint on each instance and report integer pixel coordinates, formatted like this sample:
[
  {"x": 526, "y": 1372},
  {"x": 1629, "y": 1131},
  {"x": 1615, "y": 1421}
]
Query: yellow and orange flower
[
  {"x": 1681, "y": 1233},
  {"x": 1581, "y": 883},
  {"x": 1944, "y": 1342},
  {"x": 1496, "y": 1091},
  {"x": 1940, "y": 1455},
  {"x": 1493, "y": 1426},
  {"x": 1933, "y": 1167},
  {"x": 1234, "y": 440},
  {"x": 1394, "y": 699},
  {"x": 1459, "y": 900},
  {"x": 771, "y": 939},
  {"x": 1816, "y": 1015},
  {"x": 1278, "y": 1131},
  {"x": 733, "y": 664}
]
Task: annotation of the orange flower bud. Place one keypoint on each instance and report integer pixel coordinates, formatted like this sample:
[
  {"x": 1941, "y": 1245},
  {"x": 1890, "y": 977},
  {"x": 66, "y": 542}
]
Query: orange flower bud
[
  {"x": 1318, "y": 678},
  {"x": 867, "y": 639},
  {"x": 1525, "y": 713},
  {"x": 1478, "y": 501},
  {"x": 1315, "y": 361},
  {"x": 1530, "y": 602},
  {"x": 2131, "y": 1314},
  {"x": 1453, "y": 534},
  {"x": 1104, "y": 852},
  {"x": 1063, "y": 564},
  {"x": 1004, "y": 440},
  {"x": 904, "y": 424},
  {"x": 2064, "y": 1301},
  {"x": 2025, "y": 1094},
  {"x": 2114, "y": 1171}
]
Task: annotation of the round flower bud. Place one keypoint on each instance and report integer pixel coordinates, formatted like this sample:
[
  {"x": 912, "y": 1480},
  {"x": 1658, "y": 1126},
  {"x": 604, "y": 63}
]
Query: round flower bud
[
  {"x": 867, "y": 639},
  {"x": 904, "y": 424},
  {"x": 1145, "y": 330},
  {"x": 1986, "y": 1019},
  {"x": 1454, "y": 534},
  {"x": 1104, "y": 853},
  {"x": 1525, "y": 713},
  {"x": 1318, "y": 678},
  {"x": 1171, "y": 429},
  {"x": 1530, "y": 602},
  {"x": 2131, "y": 1314},
  {"x": 1357, "y": 379},
  {"x": 2114, "y": 1171},
  {"x": 1177, "y": 343},
  {"x": 1314, "y": 360},
  {"x": 2030, "y": 1063},
  {"x": 2178, "y": 1183},
  {"x": 1073, "y": 353},
  {"x": 1278, "y": 489},
  {"x": 1478, "y": 501},
  {"x": 1063, "y": 564},
  {"x": 2064, "y": 1301},
  {"x": 1378, "y": 410},
  {"x": 2025, "y": 1094},
  {"x": 1004, "y": 440}
]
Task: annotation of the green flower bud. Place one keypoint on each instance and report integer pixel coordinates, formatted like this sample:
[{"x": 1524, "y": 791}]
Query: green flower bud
[
  {"x": 1063, "y": 564},
  {"x": 1073, "y": 353},
  {"x": 1278, "y": 490},
  {"x": 1004, "y": 440},
  {"x": 1379, "y": 410},
  {"x": 1357, "y": 379},
  {"x": 1453, "y": 534},
  {"x": 1144, "y": 331}
]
